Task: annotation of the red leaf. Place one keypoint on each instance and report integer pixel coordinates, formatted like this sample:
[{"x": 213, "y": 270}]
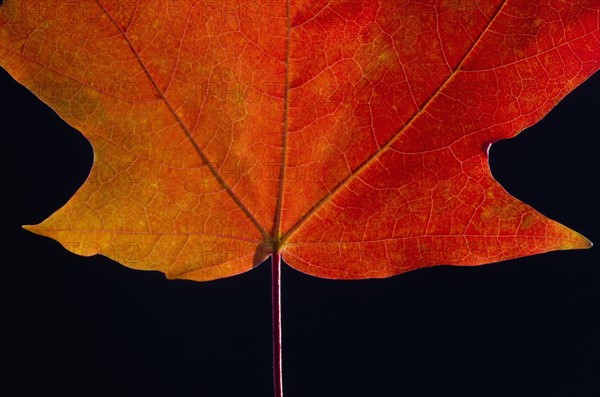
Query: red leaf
[{"x": 351, "y": 136}]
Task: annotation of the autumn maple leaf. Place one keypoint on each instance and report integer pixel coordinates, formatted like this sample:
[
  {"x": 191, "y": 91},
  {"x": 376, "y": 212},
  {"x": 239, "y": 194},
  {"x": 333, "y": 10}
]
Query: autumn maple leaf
[
  {"x": 323, "y": 131},
  {"x": 318, "y": 131}
]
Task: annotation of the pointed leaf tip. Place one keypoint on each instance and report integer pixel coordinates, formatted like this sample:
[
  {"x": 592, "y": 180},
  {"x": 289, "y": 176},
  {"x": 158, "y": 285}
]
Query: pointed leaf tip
[
  {"x": 36, "y": 229},
  {"x": 29, "y": 228},
  {"x": 572, "y": 240},
  {"x": 581, "y": 242}
]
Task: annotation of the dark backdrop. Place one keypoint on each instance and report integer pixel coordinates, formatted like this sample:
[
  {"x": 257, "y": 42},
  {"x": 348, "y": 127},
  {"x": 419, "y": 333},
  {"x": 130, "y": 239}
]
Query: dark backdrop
[{"x": 527, "y": 327}]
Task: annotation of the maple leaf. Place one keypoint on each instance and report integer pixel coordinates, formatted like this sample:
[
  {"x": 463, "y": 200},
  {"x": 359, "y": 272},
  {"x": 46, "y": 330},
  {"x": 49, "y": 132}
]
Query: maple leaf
[{"x": 350, "y": 137}]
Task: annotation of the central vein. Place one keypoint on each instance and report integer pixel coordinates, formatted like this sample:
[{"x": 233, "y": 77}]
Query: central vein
[{"x": 286, "y": 105}]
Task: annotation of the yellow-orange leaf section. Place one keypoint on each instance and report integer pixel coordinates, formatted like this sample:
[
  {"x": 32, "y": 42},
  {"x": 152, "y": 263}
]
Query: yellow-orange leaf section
[{"x": 351, "y": 136}]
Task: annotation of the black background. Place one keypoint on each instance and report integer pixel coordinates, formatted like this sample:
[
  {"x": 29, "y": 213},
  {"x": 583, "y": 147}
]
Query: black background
[{"x": 88, "y": 326}]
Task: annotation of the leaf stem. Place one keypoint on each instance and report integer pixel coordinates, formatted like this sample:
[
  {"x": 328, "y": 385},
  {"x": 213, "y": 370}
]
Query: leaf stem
[{"x": 276, "y": 306}]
